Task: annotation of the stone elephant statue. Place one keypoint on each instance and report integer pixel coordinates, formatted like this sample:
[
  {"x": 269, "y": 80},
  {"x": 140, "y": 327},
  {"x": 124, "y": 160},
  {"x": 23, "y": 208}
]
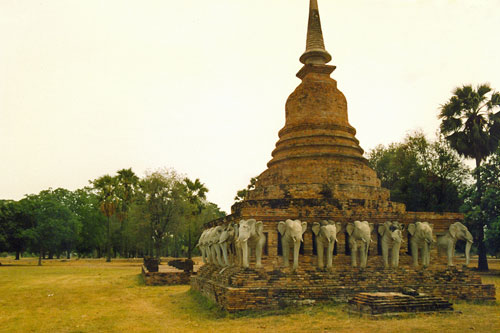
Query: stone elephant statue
[
  {"x": 326, "y": 236},
  {"x": 391, "y": 238},
  {"x": 251, "y": 235},
  {"x": 291, "y": 235},
  {"x": 457, "y": 231},
  {"x": 213, "y": 243},
  {"x": 226, "y": 240},
  {"x": 421, "y": 239},
  {"x": 202, "y": 245},
  {"x": 359, "y": 238}
]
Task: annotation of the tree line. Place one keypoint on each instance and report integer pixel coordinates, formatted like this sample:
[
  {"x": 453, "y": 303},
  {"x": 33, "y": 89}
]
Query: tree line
[{"x": 116, "y": 216}]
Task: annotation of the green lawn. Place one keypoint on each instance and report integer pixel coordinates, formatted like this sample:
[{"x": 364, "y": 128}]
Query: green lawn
[{"x": 94, "y": 296}]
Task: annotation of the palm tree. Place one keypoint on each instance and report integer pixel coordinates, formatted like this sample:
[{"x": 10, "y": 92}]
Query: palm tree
[
  {"x": 127, "y": 185},
  {"x": 109, "y": 201},
  {"x": 196, "y": 195},
  {"x": 472, "y": 128}
]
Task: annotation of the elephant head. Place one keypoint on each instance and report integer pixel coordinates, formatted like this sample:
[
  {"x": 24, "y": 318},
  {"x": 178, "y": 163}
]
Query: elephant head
[
  {"x": 326, "y": 236},
  {"x": 326, "y": 230},
  {"x": 251, "y": 234},
  {"x": 291, "y": 234},
  {"x": 359, "y": 236},
  {"x": 391, "y": 239},
  {"x": 458, "y": 231},
  {"x": 391, "y": 230},
  {"x": 422, "y": 231},
  {"x": 421, "y": 238}
]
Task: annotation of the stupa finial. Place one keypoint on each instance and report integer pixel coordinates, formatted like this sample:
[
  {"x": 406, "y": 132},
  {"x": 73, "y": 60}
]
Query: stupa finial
[{"x": 315, "y": 53}]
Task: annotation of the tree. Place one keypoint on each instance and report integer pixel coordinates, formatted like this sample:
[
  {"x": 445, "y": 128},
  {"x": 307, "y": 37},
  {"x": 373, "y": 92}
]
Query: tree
[
  {"x": 14, "y": 220},
  {"x": 92, "y": 234},
  {"x": 196, "y": 196},
  {"x": 4, "y": 213},
  {"x": 424, "y": 175},
  {"x": 106, "y": 187},
  {"x": 53, "y": 221},
  {"x": 127, "y": 186},
  {"x": 242, "y": 194},
  {"x": 489, "y": 208},
  {"x": 162, "y": 197},
  {"x": 472, "y": 127}
]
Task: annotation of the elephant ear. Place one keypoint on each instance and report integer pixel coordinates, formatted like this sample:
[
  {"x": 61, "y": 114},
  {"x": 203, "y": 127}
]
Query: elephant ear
[
  {"x": 315, "y": 228},
  {"x": 381, "y": 229},
  {"x": 304, "y": 227},
  {"x": 453, "y": 230},
  {"x": 432, "y": 226},
  {"x": 282, "y": 227},
  {"x": 259, "y": 228},
  {"x": 339, "y": 226},
  {"x": 411, "y": 228},
  {"x": 371, "y": 226},
  {"x": 224, "y": 236},
  {"x": 350, "y": 228},
  {"x": 236, "y": 227}
]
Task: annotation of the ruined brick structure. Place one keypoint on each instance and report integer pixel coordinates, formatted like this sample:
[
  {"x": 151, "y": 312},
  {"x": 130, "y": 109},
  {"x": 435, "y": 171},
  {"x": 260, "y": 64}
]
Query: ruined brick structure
[{"x": 318, "y": 172}]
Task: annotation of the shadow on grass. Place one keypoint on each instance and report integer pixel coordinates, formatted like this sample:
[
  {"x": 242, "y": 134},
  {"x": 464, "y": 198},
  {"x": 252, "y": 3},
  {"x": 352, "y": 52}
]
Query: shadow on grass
[
  {"x": 199, "y": 306},
  {"x": 476, "y": 302},
  {"x": 140, "y": 280}
]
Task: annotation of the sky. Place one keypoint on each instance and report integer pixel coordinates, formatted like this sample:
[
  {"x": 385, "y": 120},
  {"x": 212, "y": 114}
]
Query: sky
[{"x": 89, "y": 87}]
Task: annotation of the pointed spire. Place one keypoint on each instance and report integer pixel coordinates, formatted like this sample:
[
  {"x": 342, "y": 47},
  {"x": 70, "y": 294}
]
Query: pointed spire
[{"x": 315, "y": 53}]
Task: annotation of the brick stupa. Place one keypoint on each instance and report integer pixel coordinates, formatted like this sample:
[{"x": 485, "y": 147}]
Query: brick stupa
[
  {"x": 318, "y": 172},
  {"x": 318, "y": 168}
]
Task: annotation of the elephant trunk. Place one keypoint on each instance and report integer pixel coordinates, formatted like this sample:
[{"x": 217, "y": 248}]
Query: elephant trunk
[
  {"x": 467, "y": 252},
  {"x": 244, "y": 256}
]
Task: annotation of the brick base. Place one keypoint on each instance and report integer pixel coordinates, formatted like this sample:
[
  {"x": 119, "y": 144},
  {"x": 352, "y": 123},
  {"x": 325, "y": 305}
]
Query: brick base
[
  {"x": 165, "y": 278},
  {"x": 236, "y": 288},
  {"x": 396, "y": 304}
]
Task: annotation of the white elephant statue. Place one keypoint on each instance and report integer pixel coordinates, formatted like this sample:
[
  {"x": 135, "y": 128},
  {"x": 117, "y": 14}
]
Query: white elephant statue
[
  {"x": 326, "y": 236},
  {"x": 391, "y": 238},
  {"x": 359, "y": 238},
  {"x": 226, "y": 240},
  {"x": 251, "y": 235},
  {"x": 202, "y": 245},
  {"x": 421, "y": 239},
  {"x": 291, "y": 235},
  {"x": 457, "y": 231},
  {"x": 215, "y": 248}
]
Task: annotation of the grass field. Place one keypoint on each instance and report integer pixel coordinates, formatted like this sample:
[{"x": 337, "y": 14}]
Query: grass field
[{"x": 94, "y": 296}]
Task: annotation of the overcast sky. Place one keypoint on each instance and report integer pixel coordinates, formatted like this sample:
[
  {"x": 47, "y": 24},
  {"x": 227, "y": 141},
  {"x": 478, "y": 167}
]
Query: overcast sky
[{"x": 93, "y": 86}]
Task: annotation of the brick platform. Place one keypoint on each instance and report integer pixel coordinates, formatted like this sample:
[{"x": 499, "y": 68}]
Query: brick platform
[
  {"x": 236, "y": 289},
  {"x": 396, "y": 304},
  {"x": 165, "y": 278}
]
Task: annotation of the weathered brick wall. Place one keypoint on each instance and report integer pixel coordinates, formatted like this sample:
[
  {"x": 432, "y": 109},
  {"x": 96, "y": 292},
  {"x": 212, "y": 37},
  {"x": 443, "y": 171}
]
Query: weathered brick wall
[
  {"x": 165, "y": 278},
  {"x": 238, "y": 289}
]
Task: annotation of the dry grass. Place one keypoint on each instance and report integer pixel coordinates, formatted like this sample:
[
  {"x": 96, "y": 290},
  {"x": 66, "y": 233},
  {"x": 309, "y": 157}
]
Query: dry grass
[{"x": 94, "y": 296}]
